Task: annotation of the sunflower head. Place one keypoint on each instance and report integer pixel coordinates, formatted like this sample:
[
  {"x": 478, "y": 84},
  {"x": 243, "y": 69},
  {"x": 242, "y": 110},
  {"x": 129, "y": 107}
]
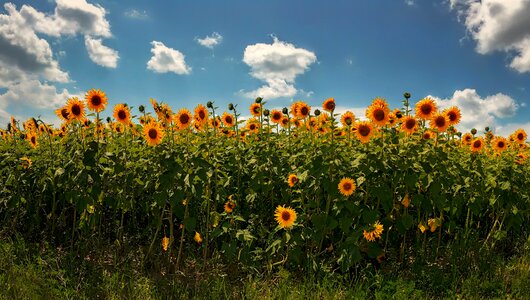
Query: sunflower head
[
  {"x": 520, "y": 136},
  {"x": 379, "y": 114},
  {"x": 427, "y": 135},
  {"x": 347, "y": 186},
  {"x": 32, "y": 139},
  {"x": 96, "y": 100},
  {"x": 329, "y": 104},
  {"x": 292, "y": 180},
  {"x": 183, "y": 119},
  {"x": 499, "y": 144},
  {"x": 347, "y": 118},
  {"x": 228, "y": 119},
  {"x": 440, "y": 122},
  {"x": 453, "y": 114},
  {"x": 363, "y": 131},
  {"x": 285, "y": 216},
  {"x": 409, "y": 125},
  {"x": 467, "y": 138},
  {"x": 229, "y": 206},
  {"x": 373, "y": 232},
  {"x": 425, "y": 108},
  {"x": 300, "y": 109},
  {"x": 153, "y": 134},
  {"x": 285, "y": 122},
  {"x": 476, "y": 145},
  {"x": 76, "y": 109},
  {"x": 62, "y": 113},
  {"x": 276, "y": 116},
  {"x": 255, "y": 109},
  {"x": 201, "y": 114},
  {"x": 122, "y": 113}
]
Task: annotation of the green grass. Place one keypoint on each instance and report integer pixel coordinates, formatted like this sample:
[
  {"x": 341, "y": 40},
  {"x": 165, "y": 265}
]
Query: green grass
[{"x": 38, "y": 271}]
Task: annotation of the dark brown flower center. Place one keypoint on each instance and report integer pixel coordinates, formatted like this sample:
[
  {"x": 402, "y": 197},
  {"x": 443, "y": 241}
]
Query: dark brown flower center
[
  {"x": 153, "y": 133},
  {"x": 76, "y": 110},
  {"x": 347, "y": 186},
  {"x": 330, "y": 105},
  {"x": 426, "y": 109},
  {"x": 122, "y": 115},
  {"x": 452, "y": 116},
  {"x": 364, "y": 130},
  {"x": 410, "y": 123},
  {"x": 500, "y": 144},
  {"x": 440, "y": 121},
  {"x": 96, "y": 100},
  {"x": 229, "y": 120},
  {"x": 252, "y": 126},
  {"x": 33, "y": 140},
  {"x": 184, "y": 119},
  {"x": 304, "y": 111},
  {"x": 276, "y": 116},
  {"x": 64, "y": 113},
  {"x": 286, "y": 215},
  {"x": 379, "y": 114},
  {"x": 520, "y": 136},
  {"x": 477, "y": 144},
  {"x": 202, "y": 114}
]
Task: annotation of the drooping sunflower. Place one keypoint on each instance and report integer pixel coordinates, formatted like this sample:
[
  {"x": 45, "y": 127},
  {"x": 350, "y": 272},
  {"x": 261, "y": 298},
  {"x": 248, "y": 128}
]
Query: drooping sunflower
[
  {"x": 292, "y": 180},
  {"x": 228, "y": 119},
  {"x": 96, "y": 100},
  {"x": 26, "y": 162},
  {"x": 347, "y": 186},
  {"x": 122, "y": 113},
  {"x": 285, "y": 216},
  {"x": 425, "y": 108},
  {"x": 182, "y": 118},
  {"x": 153, "y": 134},
  {"x": 76, "y": 109},
  {"x": 364, "y": 131},
  {"x": 255, "y": 109},
  {"x": 520, "y": 136},
  {"x": 409, "y": 124},
  {"x": 477, "y": 145},
  {"x": 32, "y": 139},
  {"x": 379, "y": 114},
  {"x": 422, "y": 227},
  {"x": 229, "y": 206},
  {"x": 201, "y": 114},
  {"x": 347, "y": 118},
  {"x": 453, "y": 114},
  {"x": 440, "y": 122},
  {"x": 374, "y": 232},
  {"x": 499, "y": 144},
  {"x": 467, "y": 138},
  {"x": 197, "y": 238},
  {"x": 62, "y": 113},
  {"x": 329, "y": 104},
  {"x": 165, "y": 243},
  {"x": 276, "y": 116}
]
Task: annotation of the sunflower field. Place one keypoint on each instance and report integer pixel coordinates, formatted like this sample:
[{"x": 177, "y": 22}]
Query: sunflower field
[{"x": 297, "y": 188}]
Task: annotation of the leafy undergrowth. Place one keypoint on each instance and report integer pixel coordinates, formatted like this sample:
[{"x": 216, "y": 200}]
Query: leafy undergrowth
[{"x": 39, "y": 271}]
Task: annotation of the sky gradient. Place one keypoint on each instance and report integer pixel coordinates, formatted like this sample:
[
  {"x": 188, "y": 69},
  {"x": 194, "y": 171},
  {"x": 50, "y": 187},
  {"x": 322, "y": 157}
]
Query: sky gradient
[{"x": 461, "y": 52}]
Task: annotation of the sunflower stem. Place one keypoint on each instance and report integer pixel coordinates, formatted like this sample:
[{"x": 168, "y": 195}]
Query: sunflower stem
[{"x": 181, "y": 242}]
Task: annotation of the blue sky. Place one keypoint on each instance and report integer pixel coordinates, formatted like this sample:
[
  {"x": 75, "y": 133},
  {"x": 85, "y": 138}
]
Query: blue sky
[{"x": 455, "y": 51}]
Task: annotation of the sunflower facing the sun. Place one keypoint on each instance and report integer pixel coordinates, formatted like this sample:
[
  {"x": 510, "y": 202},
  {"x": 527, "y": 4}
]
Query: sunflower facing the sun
[
  {"x": 96, "y": 100},
  {"x": 122, "y": 114},
  {"x": 182, "y": 118},
  {"x": 153, "y": 134},
  {"x": 285, "y": 216},
  {"x": 425, "y": 108},
  {"x": 347, "y": 186},
  {"x": 363, "y": 131},
  {"x": 292, "y": 180},
  {"x": 75, "y": 109}
]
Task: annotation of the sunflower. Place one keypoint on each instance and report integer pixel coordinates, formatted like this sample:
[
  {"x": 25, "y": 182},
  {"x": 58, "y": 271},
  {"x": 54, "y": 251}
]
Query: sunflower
[
  {"x": 252, "y": 125},
  {"x": 347, "y": 186},
  {"x": 165, "y": 243},
  {"x": 285, "y": 122},
  {"x": 380, "y": 101},
  {"x": 96, "y": 100},
  {"x": 397, "y": 112},
  {"x": 363, "y": 131},
  {"x": 520, "y": 136},
  {"x": 406, "y": 201},
  {"x": 520, "y": 158},
  {"x": 122, "y": 114},
  {"x": 26, "y": 162},
  {"x": 153, "y": 134},
  {"x": 392, "y": 120},
  {"x": 285, "y": 216},
  {"x": 347, "y": 118},
  {"x": 32, "y": 139},
  {"x": 296, "y": 122},
  {"x": 312, "y": 123},
  {"x": 292, "y": 180},
  {"x": 426, "y": 108},
  {"x": 427, "y": 135},
  {"x": 255, "y": 109},
  {"x": 215, "y": 123},
  {"x": 62, "y": 113},
  {"x": 434, "y": 223},
  {"x": 201, "y": 114},
  {"x": 276, "y": 116},
  {"x": 499, "y": 144},
  {"x": 374, "y": 233},
  {"x": 467, "y": 138},
  {"x": 329, "y": 104},
  {"x": 229, "y": 206},
  {"x": 118, "y": 127},
  {"x": 300, "y": 109},
  {"x": 228, "y": 119},
  {"x": 440, "y": 122},
  {"x": 182, "y": 119},
  {"x": 409, "y": 125},
  {"x": 197, "y": 237},
  {"x": 422, "y": 227},
  {"x": 76, "y": 109},
  {"x": 477, "y": 145},
  {"x": 379, "y": 114},
  {"x": 453, "y": 114}
]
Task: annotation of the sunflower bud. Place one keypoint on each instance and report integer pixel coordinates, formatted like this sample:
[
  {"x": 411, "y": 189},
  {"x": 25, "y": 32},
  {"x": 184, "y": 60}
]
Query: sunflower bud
[
  {"x": 9, "y": 127},
  {"x": 109, "y": 120},
  {"x": 406, "y": 95},
  {"x": 317, "y": 112},
  {"x": 258, "y": 100},
  {"x": 23, "y": 136},
  {"x": 209, "y": 104},
  {"x": 285, "y": 111},
  {"x": 141, "y": 108},
  {"x": 473, "y": 131},
  {"x": 266, "y": 112},
  {"x": 459, "y": 134},
  {"x": 230, "y": 106},
  {"x": 487, "y": 128}
]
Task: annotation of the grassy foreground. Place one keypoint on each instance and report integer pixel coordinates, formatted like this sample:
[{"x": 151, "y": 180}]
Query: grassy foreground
[{"x": 38, "y": 271}]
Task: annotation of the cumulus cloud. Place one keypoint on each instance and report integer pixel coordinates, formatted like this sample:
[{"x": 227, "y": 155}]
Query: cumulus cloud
[
  {"x": 498, "y": 25},
  {"x": 409, "y": 2},
  {"x": 100, "y": 54},
  {"x": 277, "y": 64},
  {"x": 29, "y": 95},
  {"x": 166, "y": 59},
  {"x": 210, "y": 41},
  {"x": 136, "y": 14},
  {"x": 478, "y": 112}
]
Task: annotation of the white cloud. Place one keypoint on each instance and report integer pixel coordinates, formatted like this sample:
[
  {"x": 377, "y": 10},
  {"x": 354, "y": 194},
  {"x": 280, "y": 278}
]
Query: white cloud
[
  {"x": 27, "y": 96},
  {"x": 478, "y": 112},
  {"x": 210, "y": 41},
  {"x": 136, "y": 14},
  {"x": 498, "y": 25},
  {"x": 100, "y": 54},
  {"x": 166, "y": 59},
  {"x": 507, "y": 129},
  {"x": 409, "y": 2},
  {"x": 277, "y": 64}
]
